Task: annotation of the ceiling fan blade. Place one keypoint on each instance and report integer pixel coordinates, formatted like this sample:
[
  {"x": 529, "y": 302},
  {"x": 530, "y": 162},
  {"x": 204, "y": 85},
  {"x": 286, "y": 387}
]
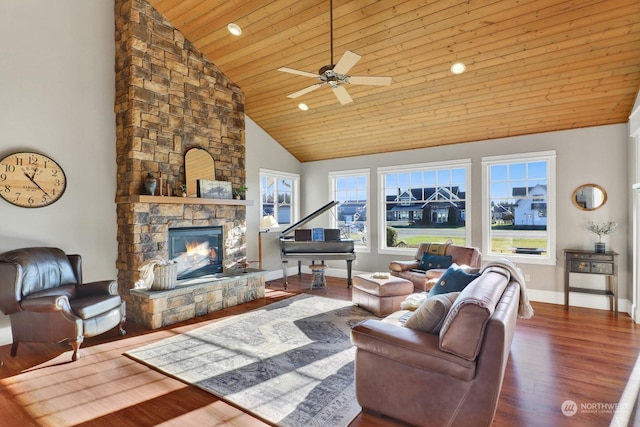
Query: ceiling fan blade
[
  {"x": 305, "y": 90},
  {"x": 348, "y": 60},
  {"x": 343, "y": 96},
  {"x": 301, "y": 73},
  {"x": 367, "y": 80}
]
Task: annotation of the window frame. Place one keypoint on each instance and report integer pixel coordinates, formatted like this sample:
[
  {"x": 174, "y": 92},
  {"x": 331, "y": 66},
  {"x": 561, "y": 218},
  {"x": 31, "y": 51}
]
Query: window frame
[
  {"x": 420, "y": 167},
  {"x": 366, "y": 173},
  {"x": 551, "y": 206},
  {"x": 295, "y": 194}
]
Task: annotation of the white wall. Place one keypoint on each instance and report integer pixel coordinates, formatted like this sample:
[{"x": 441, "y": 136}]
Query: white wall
[
  {"x": 263, "y": 151},
  {"x": 590, "y": 155},
  {"x": 57, "y": 74}
]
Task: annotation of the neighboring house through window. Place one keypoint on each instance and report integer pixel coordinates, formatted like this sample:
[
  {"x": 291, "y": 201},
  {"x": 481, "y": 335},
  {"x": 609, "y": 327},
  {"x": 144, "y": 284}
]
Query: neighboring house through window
[
  {"x": 519, "y": 207},
  {"x": 424, "y": 203},
  {"x": 279, "y": 196},
  {"x": 351, "y": 190}
]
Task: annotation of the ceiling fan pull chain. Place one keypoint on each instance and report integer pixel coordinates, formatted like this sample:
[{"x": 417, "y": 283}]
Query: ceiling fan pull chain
[{"x": 331, "y": 29}]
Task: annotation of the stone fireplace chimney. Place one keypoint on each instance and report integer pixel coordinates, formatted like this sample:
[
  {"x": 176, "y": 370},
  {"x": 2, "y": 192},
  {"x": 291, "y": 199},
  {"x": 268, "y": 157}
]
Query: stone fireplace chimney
[{"x": 170, "y": 98}]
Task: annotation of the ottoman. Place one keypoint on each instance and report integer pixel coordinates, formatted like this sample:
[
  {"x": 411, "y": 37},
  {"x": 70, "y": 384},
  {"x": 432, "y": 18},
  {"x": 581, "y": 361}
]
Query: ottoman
[{"x": 380, "y": 296}]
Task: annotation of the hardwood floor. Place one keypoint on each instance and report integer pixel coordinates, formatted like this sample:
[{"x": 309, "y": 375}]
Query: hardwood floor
[{"x": 581, "y": 355}]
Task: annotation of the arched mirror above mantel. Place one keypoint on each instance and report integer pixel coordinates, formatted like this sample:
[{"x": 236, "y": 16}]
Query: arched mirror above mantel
[
  {"x": 589, "y": 197},
  {"x": 198, "y": 164}
]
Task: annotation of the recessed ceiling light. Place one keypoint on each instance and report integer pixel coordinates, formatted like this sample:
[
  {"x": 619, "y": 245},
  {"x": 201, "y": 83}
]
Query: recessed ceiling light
[
  {"x": 458, "y": 68},
  {"x": 303, "y": 106},
  {"x": 234, "y": 29}
]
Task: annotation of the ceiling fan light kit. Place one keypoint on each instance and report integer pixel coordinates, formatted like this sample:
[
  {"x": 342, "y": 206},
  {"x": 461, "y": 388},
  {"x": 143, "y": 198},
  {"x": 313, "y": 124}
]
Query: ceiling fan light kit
[{"x": 335, "y": 75}]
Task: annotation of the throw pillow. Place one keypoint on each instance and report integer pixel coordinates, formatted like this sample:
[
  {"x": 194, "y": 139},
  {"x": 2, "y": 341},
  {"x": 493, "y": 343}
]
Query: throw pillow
[
  {"x": 454, "y": 279},
  {"x": 429, "y": 317},
  {"x": 427, "y": 262}
]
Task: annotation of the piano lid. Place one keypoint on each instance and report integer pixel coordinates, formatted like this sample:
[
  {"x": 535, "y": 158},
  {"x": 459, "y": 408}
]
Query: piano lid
[{"x": 308, "y": 218}]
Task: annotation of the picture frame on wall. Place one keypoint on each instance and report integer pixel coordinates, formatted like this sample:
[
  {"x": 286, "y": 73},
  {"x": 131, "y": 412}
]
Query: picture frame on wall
[{"x": 209, "y": 189}]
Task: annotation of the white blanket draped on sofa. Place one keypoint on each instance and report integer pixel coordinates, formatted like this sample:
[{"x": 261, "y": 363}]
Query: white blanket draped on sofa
[{"x": 525, "y": 311}]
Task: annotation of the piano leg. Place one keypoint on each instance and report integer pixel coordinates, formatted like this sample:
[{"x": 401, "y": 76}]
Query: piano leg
[
  {"x": 299, "y": 268},
  {"x": 349, "y": 261},
  {"x": 285, "y": 264}
]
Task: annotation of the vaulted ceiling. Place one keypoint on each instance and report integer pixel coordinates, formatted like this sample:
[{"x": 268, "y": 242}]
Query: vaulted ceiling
[{"x": 532, "y": 66}]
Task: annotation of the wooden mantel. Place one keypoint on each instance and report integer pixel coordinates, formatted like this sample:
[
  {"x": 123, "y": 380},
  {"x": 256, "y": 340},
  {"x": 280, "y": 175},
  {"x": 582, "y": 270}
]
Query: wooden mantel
[{"x": 185, "y": 200}]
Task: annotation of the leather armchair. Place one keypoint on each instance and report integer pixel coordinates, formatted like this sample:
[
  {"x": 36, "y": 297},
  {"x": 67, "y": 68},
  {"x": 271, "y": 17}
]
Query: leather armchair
[
  {"x": 424, "y": 280},
  {"x": 453, "y": 378},
  {"x": 42, "y": 292}
]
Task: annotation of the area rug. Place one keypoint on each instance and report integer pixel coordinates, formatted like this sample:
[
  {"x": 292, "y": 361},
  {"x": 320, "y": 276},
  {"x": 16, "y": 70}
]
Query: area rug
[{"x": 290, "y": 363}]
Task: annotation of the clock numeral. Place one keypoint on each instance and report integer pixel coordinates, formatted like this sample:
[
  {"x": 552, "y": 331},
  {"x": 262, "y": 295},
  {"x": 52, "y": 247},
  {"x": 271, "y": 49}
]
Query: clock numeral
[
  {"x": 3, "y": 176},
  {"x": 9, "y": 168},
  {"x": 7, "y": 188},
  {"x": 18, "y": 161},
  {"x": 30, "y": 200},
  {"x": 33, "y": 160}
]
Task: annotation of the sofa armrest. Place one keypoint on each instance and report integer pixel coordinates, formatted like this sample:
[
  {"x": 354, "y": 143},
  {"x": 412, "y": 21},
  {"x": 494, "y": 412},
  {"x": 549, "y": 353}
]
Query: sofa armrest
[
  {"x": 101, "y": 287},
  {"x": 410, "y": 347},
  {"x": 403, "y": 265},
  {"x": 46, "y": 304}
]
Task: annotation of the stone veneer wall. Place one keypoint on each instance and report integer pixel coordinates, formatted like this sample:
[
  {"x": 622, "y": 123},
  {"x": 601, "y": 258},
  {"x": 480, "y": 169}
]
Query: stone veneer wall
[{"x": 170, "y": 98}]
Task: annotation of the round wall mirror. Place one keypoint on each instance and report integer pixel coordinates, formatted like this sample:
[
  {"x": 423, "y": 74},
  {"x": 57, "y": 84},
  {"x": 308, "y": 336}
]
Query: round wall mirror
[{"x": 589, "y": 197}]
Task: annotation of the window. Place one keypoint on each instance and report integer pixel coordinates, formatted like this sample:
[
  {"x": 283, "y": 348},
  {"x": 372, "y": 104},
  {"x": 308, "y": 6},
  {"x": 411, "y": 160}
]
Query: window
[
  {"x": 519, "y": 207},
  {"x": 424, "y": 203},
  {"x": 279, "y": 196},
  {"x": 351, "y": 190}
]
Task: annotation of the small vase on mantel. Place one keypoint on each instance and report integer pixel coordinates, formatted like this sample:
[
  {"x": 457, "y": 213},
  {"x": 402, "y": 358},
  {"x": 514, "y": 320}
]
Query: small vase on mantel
[
  {"x": 150, "y": 184},
  {"x": 600, "y": 247}
]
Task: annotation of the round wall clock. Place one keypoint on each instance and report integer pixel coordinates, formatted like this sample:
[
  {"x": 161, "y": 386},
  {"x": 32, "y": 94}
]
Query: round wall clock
[{"x": 31, "y": 180}]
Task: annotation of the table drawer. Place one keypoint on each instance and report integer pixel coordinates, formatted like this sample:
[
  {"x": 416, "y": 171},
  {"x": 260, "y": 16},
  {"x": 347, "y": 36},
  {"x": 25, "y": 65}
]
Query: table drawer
[
  {"x": 592, "y": 257},
  {"x": 591, "y": 267}
]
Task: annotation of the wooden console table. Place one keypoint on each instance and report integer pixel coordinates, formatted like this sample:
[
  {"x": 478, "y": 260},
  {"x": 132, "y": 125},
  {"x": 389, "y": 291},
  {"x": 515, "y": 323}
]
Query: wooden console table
[{"x": 590, "y": 262}]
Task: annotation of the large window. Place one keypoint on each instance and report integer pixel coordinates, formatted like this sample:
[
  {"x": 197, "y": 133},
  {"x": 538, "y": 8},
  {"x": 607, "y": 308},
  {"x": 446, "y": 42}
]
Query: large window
[
  {"x": 424, "y": 203},
  {"x": 351, "y": 190},
  {"x": 279, "y": 196},
  {"x": 519, "y": 207}
]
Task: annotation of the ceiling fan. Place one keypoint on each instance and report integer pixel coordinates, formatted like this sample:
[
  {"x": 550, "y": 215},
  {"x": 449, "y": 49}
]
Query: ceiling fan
[{"x": 336, "y": 75}]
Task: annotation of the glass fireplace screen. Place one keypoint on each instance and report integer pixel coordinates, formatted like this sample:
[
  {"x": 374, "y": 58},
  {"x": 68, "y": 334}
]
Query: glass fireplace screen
[{"x": 198, "y": 250}]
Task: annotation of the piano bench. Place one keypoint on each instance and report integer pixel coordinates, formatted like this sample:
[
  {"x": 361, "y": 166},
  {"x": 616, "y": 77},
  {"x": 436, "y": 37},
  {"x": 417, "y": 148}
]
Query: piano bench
[{"x": 381, "y": 296}]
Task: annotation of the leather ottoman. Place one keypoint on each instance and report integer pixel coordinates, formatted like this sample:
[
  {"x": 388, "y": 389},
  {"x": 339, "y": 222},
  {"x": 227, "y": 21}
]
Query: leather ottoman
[{"x": 380, "y": 296}]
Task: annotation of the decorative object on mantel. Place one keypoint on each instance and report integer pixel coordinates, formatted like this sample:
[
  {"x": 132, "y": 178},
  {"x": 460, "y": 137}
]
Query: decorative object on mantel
[
  {"x": 198, "y": 164},
  {"x": 157, "y": 274},
  {"x": 150, "y": 184},
  {"x": 209, "y": 189},
  {"x": 183, "y": 190},
  {"x": 241, "y": 192},
  {"x": 601, "y": 229}
]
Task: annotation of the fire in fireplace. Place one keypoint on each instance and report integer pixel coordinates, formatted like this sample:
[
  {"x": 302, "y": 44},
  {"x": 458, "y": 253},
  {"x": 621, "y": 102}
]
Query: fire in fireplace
[{"x": 198, "y": 250}]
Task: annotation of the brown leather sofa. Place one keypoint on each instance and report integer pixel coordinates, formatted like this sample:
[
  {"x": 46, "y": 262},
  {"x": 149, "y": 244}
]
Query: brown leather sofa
[
  {"x": 42, "y": 292},
  {"x": 424, "y": 280},
  {"x": 452, "y": 378}
]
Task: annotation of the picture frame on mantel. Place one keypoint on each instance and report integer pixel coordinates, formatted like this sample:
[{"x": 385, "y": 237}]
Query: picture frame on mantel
[{"x": 209, "y": 189}]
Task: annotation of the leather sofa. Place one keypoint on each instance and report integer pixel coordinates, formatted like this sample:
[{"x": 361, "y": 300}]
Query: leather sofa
[
  {"x": 423, "y": 280},
  {"x": 452, "y": 378},
  {"x": 42, "y": 292}
]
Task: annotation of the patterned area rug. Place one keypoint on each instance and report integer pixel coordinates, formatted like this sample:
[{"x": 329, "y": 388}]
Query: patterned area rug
[{"x": 290, "y": 363}]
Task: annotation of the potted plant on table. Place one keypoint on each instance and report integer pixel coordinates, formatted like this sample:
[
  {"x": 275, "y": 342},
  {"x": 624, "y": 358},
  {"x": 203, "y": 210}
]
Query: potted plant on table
[{"x": 601, "y": 229}]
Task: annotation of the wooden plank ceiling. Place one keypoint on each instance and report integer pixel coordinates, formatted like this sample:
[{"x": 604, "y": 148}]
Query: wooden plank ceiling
[{"x": 532, "y": 66}]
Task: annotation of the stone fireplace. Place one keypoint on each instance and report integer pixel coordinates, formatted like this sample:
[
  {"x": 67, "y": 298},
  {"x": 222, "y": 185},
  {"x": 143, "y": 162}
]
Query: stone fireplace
[{"x": 170, "y": 98}]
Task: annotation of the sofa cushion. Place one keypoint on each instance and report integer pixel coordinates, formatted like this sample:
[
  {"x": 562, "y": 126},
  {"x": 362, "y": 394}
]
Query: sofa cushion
[
  {"x": 430, "y": 316},
  {"x": 463, "y": 330},
  {"x": 427, "y": 262},
  {"x": 454, "y": 279}
]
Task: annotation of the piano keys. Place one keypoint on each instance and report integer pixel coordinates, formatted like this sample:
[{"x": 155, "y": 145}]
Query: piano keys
[{"x": 301, "y": 245}]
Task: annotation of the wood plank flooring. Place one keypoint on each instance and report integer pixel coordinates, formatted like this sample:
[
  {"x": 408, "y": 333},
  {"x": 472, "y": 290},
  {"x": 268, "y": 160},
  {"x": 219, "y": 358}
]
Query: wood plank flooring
[{"x": 581, "y": 355}]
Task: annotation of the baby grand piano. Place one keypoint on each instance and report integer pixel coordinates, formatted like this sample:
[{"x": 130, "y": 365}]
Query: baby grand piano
[{"x": 302, "y": 246}]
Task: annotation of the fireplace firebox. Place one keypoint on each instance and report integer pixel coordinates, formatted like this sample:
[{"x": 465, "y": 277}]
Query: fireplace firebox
[{"x": 198, "y": 250}]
